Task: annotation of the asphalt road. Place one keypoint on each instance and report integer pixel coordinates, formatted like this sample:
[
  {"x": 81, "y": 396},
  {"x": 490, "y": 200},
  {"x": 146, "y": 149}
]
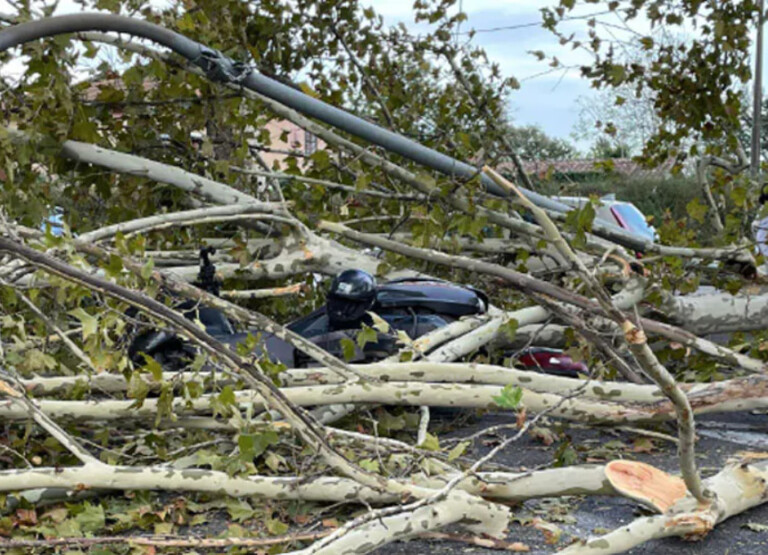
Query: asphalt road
[{"x": 720, "y": 437}]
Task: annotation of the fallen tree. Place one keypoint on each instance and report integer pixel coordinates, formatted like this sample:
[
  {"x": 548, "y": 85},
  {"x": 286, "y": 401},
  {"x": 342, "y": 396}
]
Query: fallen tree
[{"x": 231, "y": 423}]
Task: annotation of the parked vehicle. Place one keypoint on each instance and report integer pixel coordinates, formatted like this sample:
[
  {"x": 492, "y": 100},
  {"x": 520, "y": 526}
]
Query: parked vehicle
[
  {"x": 415, "y": 306},
  {"x": 625, "y": 214},
  {"x": 551, "y": 361}
]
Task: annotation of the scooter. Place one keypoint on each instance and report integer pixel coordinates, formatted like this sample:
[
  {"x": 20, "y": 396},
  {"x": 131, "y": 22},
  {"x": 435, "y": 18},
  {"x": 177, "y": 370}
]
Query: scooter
[{"x": 415, "y": 306}]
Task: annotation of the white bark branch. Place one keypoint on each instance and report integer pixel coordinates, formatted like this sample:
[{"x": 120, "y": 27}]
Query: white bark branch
[
  {"x": 718, "y": 398},
  {"x": 502, "y": 486},
  {"x": 740, "y": 486},
  {"x": 232, "y": 212},
  {"x": 637, "y": 341},
  {"x": 251, "y": 294}
]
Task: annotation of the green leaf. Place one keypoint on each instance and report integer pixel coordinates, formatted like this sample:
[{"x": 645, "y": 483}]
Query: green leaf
[
  {"x": 115, "y": 266},
  {"x": 647, "y": 43},
  {"x": 68, "y": 529},
  {"x": 227, "y": 396},
  {"x": 321, "y": 159},
  {"x": 236, "y": 531},
  {"x": 153, "y": 367},
  {"x": 147, "y": 269},
  {"x": 137, "y": 388},
  {"x": 586, "y": 217},
  {"x": 91, "y": 519},
  {"x": 696, "y": 210},
  {"x": 739, "y": 195},
  {"x": 193, "y": 389},
  {"x": 85, "y": 130},
  {"x": 370, "y": 465},
  {"x": 35, "y": 360},
  {"x": 186, "y": 23},
  {"x": 163, "y": 528},
  {"x": 430, "y": 443},
  {"x": 617, "y": 74},
  {"x": 458, "y": 451},
  {"x": 509, "y": 328},
  {"x": 388, "y": 422},
  {"x": 276, "y": 527},
  {"x": 253, "y": 445},
  {"x": 362, "y": 181},
  {"x": 165, "y": 404},
  {"x": 89, "y": 323},
  {"x": 239, "y": 509},
  {"x": 198, "y": 519},
  {"x": 366, "y": 335},
  {"x": 347, "y": 348},
  {"x": 510, "y": 397},
  {"x": 565, "y": 455},
  {"x": 307, "y": 89}
]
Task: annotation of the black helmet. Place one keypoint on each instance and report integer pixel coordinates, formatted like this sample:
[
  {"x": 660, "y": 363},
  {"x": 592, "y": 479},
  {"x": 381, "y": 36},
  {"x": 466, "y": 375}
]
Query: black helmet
[{"x": 352, "y": 294}]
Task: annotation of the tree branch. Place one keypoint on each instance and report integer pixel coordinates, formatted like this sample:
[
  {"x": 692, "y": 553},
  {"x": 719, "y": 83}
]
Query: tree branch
[{"x": 638, "y": 344}]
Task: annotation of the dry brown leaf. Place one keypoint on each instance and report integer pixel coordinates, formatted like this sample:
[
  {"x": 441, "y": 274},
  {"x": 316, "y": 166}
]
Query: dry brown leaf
[
  {"x": 26, "y": 516},
  {"x": 521, "y": 417},
  {"x": 544, "y": 435},
  {"x": 330, "y": 523},
  {"x": 643, "y": 445},
  {"x": 552, "y": 532}
]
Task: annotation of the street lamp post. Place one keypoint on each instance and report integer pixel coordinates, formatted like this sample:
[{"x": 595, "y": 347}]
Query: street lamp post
[{"x": 757, "y": 96}]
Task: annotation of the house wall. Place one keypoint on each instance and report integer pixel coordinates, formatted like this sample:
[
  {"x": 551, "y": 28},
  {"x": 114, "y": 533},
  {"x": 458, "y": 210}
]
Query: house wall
[{"x": 288, "y": 138}]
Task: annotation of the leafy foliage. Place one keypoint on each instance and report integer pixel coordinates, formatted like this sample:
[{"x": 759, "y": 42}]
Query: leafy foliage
[
  {"x": 531, "y": 143},
  {"x": 708, "y": 69}
]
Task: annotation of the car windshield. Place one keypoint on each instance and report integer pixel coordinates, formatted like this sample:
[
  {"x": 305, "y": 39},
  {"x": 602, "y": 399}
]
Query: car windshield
[{"x": 632, "y": 219}]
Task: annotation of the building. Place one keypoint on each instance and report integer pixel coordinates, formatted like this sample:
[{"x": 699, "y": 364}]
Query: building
[{"x": 287, "y": 139}]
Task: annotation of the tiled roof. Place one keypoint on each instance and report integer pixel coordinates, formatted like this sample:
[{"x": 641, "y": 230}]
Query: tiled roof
[{"x": 621, "y": 166}]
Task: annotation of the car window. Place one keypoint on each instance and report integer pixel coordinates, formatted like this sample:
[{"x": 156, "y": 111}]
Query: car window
[{"x": 632, "y": 219}]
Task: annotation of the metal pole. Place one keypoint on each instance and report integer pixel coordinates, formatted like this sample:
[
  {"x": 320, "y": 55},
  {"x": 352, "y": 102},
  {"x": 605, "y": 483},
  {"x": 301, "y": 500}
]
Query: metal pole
[{"x": 757, "y": 111}]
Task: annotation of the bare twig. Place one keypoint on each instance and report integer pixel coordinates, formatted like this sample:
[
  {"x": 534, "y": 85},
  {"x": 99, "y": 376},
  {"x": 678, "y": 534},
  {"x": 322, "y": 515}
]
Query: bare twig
[{"x": 48, "y": 424}]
